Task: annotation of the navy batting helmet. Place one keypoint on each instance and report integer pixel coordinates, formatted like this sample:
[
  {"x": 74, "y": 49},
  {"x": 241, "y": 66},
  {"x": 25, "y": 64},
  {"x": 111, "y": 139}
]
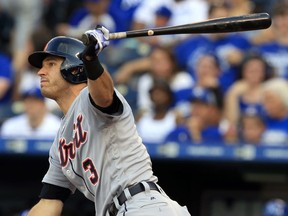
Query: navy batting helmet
[{"x": 72, "y": 68}]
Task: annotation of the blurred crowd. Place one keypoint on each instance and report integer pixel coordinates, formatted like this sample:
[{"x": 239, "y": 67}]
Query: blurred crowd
[
  {"x": 275, "y": 207},
  {"x": 229, "y": 88}
]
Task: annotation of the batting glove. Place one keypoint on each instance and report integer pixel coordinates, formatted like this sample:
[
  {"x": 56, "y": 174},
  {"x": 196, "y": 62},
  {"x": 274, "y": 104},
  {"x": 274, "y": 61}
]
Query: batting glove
[{"x": 99, "y": 38}]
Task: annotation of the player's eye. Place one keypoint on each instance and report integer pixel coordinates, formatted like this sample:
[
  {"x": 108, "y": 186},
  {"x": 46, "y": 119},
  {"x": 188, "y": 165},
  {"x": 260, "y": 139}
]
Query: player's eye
[
  {"x": 52, "y": 64},
  {"x": 49, "y": 64}
]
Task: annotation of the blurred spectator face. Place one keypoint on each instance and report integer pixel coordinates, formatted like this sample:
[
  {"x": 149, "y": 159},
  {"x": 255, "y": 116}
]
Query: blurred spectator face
[
  {"x": 206, "y": 114},
  {"x": 161, "y": 98},
  {"x": 34, "y": 107},
  {"x": 204, "y": 105},
  {"x": 280, "y": 18},
  {"x": 252, "y": 129},
  {"x": 254, "y": 71},
  {"x": 273, "y": 104},
  {"x": 162, "y": 17},
  {"x": 162, "y": 64},
  {"x": 281, "y": 23},
  {"x": 161, "y": 21},
  {"x": 218, "y": 11},
  {"x": 207, "y": 69},
  {"x": 200, "y": 109},
  {"x": 97, "y": 7}
]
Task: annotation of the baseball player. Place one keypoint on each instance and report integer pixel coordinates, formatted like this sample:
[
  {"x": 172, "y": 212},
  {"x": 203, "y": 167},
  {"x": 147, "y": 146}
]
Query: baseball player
[{"x": 97, "y": 149}]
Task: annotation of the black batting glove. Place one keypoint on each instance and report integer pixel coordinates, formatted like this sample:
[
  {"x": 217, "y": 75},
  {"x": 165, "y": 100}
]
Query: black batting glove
[{"x": 99, "y": 39}]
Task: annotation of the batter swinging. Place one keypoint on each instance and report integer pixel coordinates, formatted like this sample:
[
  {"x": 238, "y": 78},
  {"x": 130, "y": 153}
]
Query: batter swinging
[{"x": 97, "y": 149}]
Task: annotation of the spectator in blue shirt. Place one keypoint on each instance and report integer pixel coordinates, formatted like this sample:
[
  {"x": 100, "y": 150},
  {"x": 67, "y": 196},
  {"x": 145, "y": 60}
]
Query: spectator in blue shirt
[
  {"x": 276, "y": 50},
  {"x": 6, "y": 87},
  {"x": 122, "y": 12},
  {"x": 275, "y": 207},
  {"x": 251, "y": 128},
  {"x": 229, "y": 47},
  {"x": 7, "y": 25},
  {"x": 35, "y": 122},
  {"x": 93, "y": 13},
  {"x": 6, "y": 79},
  {"x": 245, "y": 94},
  {"x": 275, "y": 104},
  {"x": 203, "y": 125}
]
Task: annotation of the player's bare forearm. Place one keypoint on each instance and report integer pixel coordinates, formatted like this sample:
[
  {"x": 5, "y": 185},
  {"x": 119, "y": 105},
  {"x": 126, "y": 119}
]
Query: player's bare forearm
[
  {"x": 47, "y": 207},
  {"x": 101, "y": 90}
]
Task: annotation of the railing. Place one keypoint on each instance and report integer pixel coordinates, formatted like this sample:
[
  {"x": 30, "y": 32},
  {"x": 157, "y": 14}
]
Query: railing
[{"x": 219, "y": 152}]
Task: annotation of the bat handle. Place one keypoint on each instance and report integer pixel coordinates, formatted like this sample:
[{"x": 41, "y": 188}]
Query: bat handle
[
  {"x": 118, "y": 35},
  {"x": 88, "y": 40}
]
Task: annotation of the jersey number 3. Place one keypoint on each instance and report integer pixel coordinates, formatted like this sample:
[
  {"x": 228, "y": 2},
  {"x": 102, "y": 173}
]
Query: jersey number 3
[{"x": 89, "y": 165}]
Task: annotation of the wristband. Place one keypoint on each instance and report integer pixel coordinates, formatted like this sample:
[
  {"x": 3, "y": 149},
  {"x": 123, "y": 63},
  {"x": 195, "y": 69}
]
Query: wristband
[
  {"x": 50, "y": 191},
  {"x": 93, "y": 69}
]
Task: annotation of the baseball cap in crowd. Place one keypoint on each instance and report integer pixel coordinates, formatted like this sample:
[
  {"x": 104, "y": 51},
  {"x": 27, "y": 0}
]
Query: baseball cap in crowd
[
  {"x": 163, "y": 11},
  {"x": 203, "y": 95},
  {"x": 210, "y": 96},
  {"x": 33, "y": 92}
]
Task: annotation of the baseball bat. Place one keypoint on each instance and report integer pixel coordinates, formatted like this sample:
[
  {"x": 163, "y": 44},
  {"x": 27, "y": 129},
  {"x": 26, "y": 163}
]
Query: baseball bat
[{"x": 247, "y": 22}]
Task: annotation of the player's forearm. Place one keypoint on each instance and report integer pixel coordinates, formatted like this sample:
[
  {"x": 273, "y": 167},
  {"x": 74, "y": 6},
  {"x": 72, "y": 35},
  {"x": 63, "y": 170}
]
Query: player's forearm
[
  {"x": 100, "y": 83},
  {"x": 47, "y": 208},
  {"x": 102, "y": 89}
]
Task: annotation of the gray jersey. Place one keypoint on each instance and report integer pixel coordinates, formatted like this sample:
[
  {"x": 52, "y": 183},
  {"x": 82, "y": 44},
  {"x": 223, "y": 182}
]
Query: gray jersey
[{"x": 97, "y": 153}]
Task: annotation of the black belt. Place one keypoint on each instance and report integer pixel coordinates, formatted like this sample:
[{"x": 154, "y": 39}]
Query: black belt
[{"x": 138, "y": 188}]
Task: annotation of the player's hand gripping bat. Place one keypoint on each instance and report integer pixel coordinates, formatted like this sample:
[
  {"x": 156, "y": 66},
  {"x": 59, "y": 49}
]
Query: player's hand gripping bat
[{"x": 219, "y": 25}]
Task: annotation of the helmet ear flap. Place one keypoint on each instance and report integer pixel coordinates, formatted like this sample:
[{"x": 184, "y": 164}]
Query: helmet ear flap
[{"x": 74, "y": 74}]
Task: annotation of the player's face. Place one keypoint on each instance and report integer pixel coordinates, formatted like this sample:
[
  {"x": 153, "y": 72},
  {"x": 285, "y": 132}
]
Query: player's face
[{"x": 51, "y": 81}]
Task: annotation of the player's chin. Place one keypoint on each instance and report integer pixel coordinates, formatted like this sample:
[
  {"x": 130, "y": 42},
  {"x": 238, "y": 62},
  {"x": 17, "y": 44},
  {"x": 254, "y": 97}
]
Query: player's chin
[
  {"x": 46, "y": 93},
  {"x": 43, "y": 84}
]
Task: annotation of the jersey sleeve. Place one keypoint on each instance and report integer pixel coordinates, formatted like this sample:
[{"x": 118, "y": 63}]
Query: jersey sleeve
[
  {"x": 54, "y": 174},
  {"x": 115, "y": 108}
]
